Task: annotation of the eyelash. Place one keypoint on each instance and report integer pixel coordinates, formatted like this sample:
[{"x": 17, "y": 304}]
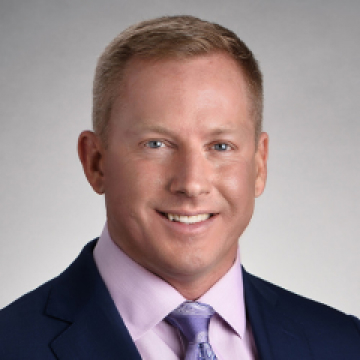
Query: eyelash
[
  {"x": 228, "y": 147},
  {"x": 147, "y": 144},
  {"x": 218, "y": 146}
]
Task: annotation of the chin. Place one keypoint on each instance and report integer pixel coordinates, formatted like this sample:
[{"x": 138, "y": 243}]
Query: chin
[{"x": 186, "y": 267}]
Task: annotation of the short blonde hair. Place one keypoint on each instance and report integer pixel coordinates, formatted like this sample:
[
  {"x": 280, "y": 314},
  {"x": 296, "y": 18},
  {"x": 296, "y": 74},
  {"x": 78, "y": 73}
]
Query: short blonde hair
[{"x": 170, "y": 37}]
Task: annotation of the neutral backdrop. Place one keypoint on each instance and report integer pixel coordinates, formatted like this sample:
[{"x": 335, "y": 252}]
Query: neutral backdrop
[{"x": 305, "y": 232}]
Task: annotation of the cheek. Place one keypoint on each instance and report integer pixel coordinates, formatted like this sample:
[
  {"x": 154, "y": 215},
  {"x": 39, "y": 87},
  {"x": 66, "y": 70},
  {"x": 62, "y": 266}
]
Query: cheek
[
  {"x": 237, "y": 183},
  {"x": 147, "y": 178},
  {"x": 133, "y": 182}
]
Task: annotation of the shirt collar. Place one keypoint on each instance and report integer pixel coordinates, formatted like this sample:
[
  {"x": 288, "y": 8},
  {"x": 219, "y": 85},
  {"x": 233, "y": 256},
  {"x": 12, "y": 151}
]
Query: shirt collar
[
  {"x": 144, "y": 300},
  {"x": 227, "y": 298}
]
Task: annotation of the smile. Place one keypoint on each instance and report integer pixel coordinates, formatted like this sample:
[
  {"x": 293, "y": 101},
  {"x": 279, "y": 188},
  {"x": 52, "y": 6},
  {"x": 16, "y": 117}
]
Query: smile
[{"x": 185, "y": 219}]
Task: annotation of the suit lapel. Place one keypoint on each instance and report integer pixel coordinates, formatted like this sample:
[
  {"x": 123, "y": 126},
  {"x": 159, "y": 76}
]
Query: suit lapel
[
  {"x": 95, "y": 329},
  {"x": 276, "y": 336}
]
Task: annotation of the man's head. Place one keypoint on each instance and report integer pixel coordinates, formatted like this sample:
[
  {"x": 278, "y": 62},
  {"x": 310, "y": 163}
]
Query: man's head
[
  {"x": 182, "y": 162},
  {"x": 175, "y": 37}
]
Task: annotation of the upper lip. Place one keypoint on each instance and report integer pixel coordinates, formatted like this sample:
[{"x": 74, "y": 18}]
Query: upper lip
[{"x": 187, "y": 213}]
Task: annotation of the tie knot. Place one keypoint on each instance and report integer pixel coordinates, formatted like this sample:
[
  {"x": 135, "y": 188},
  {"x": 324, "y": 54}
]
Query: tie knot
[{"x": 192, "y": 319}]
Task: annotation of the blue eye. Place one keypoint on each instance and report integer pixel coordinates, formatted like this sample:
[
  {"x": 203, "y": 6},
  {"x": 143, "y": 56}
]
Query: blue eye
[
  {"x": 154, "y": 144},
  {"x": 221, "y": 147}
]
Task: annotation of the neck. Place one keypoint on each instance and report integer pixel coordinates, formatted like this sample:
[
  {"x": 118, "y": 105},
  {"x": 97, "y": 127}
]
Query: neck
[{"x": 194, "y": 288}]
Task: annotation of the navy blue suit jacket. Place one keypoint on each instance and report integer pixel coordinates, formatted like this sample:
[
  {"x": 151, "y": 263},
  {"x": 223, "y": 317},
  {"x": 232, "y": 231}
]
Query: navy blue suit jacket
[{"x": 73, "y": 317}]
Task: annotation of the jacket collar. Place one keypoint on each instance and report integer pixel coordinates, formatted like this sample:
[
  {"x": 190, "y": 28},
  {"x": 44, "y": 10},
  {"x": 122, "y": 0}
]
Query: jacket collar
[
  {"x": 277, "y": 337},
  {"x": 95, "y": 329}
]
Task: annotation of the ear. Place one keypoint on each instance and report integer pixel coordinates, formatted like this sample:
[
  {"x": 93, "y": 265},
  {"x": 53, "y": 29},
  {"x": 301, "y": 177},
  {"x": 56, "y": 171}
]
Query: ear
[
  {"x": 91, "y": 155},
  {"x": 261, "y": 157}
]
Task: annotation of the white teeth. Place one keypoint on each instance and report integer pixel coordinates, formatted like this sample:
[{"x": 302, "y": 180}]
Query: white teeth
[{"x": 188, "y": 219}]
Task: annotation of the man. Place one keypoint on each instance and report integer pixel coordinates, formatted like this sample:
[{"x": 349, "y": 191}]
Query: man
[{"x": 179, "y": 154}]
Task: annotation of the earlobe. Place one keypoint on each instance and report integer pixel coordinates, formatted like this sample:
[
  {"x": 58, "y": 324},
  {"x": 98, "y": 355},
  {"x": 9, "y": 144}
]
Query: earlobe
[
  {"x": 91, "y": 153},
  {"x": 261, "y": 157}
]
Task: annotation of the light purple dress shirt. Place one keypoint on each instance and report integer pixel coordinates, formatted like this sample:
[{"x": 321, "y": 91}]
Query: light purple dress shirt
[{"x": 144, "y": 300}]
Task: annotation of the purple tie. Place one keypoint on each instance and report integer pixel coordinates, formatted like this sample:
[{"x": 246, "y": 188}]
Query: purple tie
[{"x": 192, "y": 319}]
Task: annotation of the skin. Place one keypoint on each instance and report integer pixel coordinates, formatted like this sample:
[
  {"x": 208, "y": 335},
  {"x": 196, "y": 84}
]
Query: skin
[{"x": 181, "y": 141}]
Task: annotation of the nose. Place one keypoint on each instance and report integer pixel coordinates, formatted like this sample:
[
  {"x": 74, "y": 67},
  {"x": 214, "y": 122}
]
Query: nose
[{"x": 191, "y": 174}]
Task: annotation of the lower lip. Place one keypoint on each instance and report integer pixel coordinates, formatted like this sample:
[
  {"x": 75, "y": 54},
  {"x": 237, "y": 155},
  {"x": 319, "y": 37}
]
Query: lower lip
[{"x": 189, "y": 228}]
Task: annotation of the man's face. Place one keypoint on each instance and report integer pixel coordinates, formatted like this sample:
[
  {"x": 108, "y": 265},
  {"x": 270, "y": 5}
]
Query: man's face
[{"x": 181, "y": 170}]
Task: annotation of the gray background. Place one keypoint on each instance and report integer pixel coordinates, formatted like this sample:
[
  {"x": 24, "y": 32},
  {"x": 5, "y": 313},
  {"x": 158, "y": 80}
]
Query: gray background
[{"x": 305, "y": 231}]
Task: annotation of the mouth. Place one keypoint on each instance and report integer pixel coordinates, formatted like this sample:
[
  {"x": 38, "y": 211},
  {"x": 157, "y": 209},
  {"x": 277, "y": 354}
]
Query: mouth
[{"x": 186, "y": 219}]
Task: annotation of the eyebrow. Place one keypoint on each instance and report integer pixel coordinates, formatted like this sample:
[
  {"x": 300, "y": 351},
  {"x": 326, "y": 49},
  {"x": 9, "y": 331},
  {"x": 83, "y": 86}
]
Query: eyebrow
[
  {"x": 156, "y": 129},
  {"x": 162, "y": 130},
  {"x": 223, "y": 131}
]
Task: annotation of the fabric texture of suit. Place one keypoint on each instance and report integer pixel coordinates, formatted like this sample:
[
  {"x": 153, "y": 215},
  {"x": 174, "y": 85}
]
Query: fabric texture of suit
[{"x": 73, "y": 317}]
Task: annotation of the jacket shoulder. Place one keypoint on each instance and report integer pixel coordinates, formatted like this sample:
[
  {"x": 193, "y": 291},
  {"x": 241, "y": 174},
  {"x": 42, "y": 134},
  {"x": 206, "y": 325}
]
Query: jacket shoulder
[
  {"x": 330, "y": 333},
  {"x": 24, "y": 326},
  {"x": 303, "y": 309}
]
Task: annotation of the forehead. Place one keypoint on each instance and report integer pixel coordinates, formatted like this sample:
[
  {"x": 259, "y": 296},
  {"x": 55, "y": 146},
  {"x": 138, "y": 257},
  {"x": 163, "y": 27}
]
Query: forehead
[
  {"x": 208, "y": 87},
  {"x": 216, "y": 65}
]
